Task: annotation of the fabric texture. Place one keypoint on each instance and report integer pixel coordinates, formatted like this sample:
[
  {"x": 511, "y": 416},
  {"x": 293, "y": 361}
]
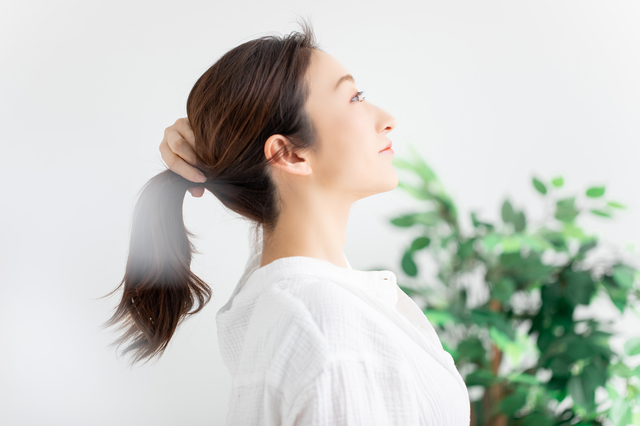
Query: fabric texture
[{"x": 310, "y": 343}]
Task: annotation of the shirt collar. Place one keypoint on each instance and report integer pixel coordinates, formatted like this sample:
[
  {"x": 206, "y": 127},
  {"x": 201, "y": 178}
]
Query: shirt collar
[{"x": 380, "y": 284}]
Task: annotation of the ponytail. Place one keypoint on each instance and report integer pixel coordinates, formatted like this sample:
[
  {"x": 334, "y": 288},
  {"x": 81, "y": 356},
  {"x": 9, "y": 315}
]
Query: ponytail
[{"x": 159, "y": 288}]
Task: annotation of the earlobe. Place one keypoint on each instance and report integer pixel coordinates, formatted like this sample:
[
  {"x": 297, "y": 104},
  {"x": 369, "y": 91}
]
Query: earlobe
[{"x": 300, "y": 168}]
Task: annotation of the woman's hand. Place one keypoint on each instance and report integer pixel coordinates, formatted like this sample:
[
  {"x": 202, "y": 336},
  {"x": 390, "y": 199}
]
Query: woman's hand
[{"x": 178, "y": 152}]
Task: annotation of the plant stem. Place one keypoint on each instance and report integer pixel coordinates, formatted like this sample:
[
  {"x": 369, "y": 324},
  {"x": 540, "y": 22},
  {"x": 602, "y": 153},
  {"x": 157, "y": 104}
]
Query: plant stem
[{"x": 495, "y": 393}]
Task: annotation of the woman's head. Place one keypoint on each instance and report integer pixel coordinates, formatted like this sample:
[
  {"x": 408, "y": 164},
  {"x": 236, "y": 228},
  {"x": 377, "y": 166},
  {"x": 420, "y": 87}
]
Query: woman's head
[
  {"x": 255, "y": 90},
  {"x": 350, "y": 133},
  {"x": 269, "y": 122}
]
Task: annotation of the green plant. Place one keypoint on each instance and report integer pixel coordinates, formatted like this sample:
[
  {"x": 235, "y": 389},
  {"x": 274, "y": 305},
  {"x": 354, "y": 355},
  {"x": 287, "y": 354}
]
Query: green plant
[{"x": 534, "y": 279}]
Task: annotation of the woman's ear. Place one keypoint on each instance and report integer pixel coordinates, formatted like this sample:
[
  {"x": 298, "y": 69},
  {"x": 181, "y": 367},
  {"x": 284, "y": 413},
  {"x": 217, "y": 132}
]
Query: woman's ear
[{"x": 282, "y": 154}]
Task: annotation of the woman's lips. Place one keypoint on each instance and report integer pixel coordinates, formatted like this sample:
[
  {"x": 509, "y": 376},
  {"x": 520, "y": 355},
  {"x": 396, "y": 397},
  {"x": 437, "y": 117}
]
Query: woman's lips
[
  {"x": 387, "y": 150},
  {"x": 388, "y": 147}
]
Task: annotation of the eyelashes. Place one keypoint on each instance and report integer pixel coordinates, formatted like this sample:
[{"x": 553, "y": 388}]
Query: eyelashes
[{"x": 359, "y": 96}]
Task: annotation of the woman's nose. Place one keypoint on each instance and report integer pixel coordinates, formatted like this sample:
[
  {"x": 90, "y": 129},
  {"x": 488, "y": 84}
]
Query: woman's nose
[
  {"x": 392, "y": 122},
  {"x": 386, "y": 120}
]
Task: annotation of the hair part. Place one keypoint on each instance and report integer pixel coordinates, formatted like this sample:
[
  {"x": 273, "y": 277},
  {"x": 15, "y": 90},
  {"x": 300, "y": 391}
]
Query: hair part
[{"x": 253, "y": 91}]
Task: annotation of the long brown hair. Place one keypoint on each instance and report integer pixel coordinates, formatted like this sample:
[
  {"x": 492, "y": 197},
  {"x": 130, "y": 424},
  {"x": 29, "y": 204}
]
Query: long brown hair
[{"x": 255, "y": 90}]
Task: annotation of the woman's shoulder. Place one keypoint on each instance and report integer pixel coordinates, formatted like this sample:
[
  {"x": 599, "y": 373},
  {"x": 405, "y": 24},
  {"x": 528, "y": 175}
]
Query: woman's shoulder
[
  {"x": 319, "y": 299},
  {"x": 324, "y": 311},
  {"x": 306, "y": 299},
  {"x": 300, "y": 324}
]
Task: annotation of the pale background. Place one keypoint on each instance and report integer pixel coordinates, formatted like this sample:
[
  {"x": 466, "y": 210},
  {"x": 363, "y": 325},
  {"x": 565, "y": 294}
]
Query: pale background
[{"x": 492, "y": 92}]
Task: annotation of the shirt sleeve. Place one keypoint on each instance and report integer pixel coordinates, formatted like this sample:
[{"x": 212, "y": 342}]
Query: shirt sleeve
[{"x": 355, "y": 392}]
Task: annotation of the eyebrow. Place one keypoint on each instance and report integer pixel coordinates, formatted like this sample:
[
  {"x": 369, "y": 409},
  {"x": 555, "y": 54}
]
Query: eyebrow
[{"x": 344, "y": 78}]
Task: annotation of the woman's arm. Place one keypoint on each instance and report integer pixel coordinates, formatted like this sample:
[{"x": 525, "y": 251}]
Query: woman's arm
[{"x": 178, "y": 152}]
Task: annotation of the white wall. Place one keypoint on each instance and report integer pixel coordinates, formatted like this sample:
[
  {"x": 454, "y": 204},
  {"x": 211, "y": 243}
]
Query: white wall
[{"x": 491, "y": 92}]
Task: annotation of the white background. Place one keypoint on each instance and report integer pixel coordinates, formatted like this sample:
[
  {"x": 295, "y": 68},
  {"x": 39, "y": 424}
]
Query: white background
[{"x": 491, "y": 92}]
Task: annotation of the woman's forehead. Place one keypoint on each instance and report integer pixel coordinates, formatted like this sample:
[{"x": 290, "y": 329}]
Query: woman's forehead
[{"x": 325, "y": 73}]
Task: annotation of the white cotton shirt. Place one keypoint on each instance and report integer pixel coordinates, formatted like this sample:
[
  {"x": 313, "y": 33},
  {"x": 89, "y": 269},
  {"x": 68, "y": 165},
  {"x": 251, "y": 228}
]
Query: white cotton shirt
[{"x": 309, "y": 343}]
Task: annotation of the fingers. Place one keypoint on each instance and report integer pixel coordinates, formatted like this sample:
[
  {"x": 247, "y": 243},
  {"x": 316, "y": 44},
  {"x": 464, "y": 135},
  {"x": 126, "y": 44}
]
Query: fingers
[
  {"x": 177, "y": 150},
  {"x": 196, "y": 191},
  {"x": 181, "y": 141},
  {"x": 184, "y": 128},
  {"x": 178, "y": 165}
]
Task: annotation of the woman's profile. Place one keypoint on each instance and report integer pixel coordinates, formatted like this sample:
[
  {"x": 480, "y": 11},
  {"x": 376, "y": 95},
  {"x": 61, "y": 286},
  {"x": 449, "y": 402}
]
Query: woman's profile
[{"x": 283, "y": 136}]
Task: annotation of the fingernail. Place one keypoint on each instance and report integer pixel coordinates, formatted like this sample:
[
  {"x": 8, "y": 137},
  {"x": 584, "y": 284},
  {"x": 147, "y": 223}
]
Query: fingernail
[{"x": 200, "y": 178}]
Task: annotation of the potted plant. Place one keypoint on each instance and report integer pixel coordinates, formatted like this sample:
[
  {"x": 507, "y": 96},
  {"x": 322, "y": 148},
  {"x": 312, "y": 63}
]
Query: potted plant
[{"x": 533, "y": 279}]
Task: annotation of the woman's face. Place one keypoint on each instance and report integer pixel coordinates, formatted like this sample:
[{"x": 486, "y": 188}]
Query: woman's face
[{"x": 351, "y": 133}]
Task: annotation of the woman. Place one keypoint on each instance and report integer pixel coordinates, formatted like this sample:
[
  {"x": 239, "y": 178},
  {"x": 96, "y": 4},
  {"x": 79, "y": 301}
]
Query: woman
[{"x": 284, "y": 138}]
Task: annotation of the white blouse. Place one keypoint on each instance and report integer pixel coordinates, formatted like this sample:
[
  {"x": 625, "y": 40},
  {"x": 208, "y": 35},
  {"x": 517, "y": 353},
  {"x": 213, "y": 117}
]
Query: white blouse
[{"x": 310, "y": 343}]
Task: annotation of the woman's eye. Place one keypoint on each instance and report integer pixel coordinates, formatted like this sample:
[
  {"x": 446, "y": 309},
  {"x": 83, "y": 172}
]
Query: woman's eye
[{"x": 359, "y": 96}]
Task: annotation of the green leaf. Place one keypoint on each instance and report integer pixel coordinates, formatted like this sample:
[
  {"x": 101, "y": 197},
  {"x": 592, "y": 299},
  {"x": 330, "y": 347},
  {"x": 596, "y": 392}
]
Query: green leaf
[
  {"x": 569, "y": 229},
  {"x": 499, "y": 338},
  {"x": 566, "y": 210},
  {"x": 559, "y": 366},
  {"x": 491, "y": 240},
  {"x": 535, "y": 242},
  {"x": 557, "y": 182},
  {"x": 623, "y": 276},
  {"x": 439, "y": 317},
  {"x": 632, "y": 346},
  {"x": 508, "y": 215},
  {"x": 472, "y": 350},
  {"x": 520, "y": 222},
  {"x": 420, "y": 167},
  {"x": 576, "y": 391},
  {"x": 620, "y": 412},
  {"x": 465, "y": 248},
  {"x": 599, "y": 341},
  {"x": 582, "y": 390},
  {"x": 617, "y": 294},
  {"x": 510, "y": 244},
  {"x": 527, "y": 379},
  {"x": 403, "y": 221},
  {"x": 526, "y": 268},
  {"x": 536, "y": 418},
  {"x": 613, "y": 393},
  {"x": 513, "y": 350},
  {"x": 616, "y": 205},
  {"x": 577, "y": 347},
  {"x": 600, "y": 212},
  {"x": 621, "y": 370},
  {"x": 477, "y": 223},
  {"x": 632, "y": 391},
  {"x": 401, "y": 163},
  {"x": 556, "y": 239},
  {"x": 511, "y": 403},
  {"x": 594, "y": 375},
  {"x": 481, "y": 377},
  {"x": 418, "y": 193},
  {"x": 427, "y": 218},
  {"x": 503, "y": 289},
  {"x": 539, "y": 186},
  {"x": 408, "y": 265},
  {"x": 580, "y": 286},
  {"x": 588, "y": 245},
  {"x": 420, "y": 243},
  {"x": 488, "y": 318},
  {"x": 595, "y": 191}
]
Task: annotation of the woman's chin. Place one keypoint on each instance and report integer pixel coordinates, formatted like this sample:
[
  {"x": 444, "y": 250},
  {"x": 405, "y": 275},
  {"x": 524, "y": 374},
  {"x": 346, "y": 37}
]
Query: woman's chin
[{"x": 391, "y": 182}]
